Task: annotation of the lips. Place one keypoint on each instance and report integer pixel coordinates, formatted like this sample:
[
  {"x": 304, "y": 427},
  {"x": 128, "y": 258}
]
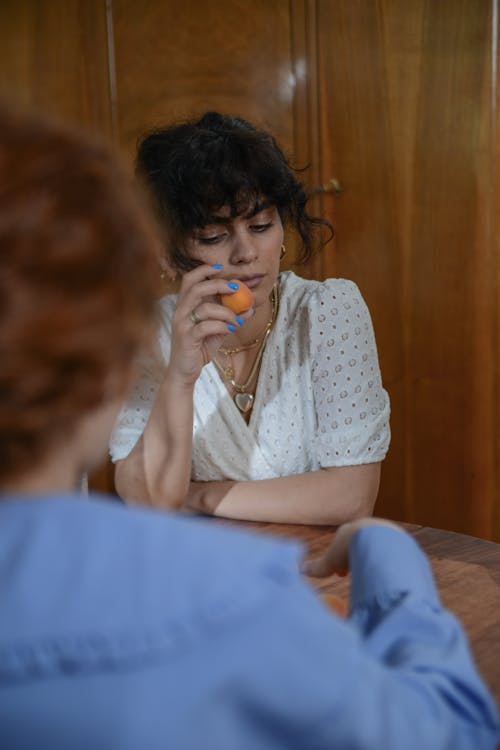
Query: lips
[{"x": 251, "y": 281}]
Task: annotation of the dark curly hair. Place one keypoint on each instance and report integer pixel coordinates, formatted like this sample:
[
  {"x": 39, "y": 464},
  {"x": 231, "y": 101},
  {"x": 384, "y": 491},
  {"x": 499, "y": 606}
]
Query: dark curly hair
[
  {"x": 77, "y": 282},
  {"x": 197, "y": 167}
]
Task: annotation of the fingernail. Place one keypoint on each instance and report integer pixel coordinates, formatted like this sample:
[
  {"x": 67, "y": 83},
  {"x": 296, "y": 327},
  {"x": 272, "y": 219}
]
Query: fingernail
[
  {"x": 217, "y": 265},
  {"x": 239, "y": 320},
  {"x": 231, "y": 327},
  {"x": 233, "y": 285}
]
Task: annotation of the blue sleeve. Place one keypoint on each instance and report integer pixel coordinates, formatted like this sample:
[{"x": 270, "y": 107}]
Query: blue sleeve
[{"x": 398, "y": 674}]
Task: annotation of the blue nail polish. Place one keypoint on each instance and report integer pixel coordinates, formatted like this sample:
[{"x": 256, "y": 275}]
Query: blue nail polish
[
  {"x": 239, "y": 320},
  {"x": 217, "y": 265},
  {"x": 233, "y": 285},
  {"x": 230, "y": 327}
]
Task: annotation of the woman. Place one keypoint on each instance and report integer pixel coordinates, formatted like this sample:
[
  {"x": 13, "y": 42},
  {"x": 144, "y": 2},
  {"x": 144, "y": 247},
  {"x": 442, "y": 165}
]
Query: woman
[
  {"x": 124, "y": 629},
  {"x": 290, "y": 420}
]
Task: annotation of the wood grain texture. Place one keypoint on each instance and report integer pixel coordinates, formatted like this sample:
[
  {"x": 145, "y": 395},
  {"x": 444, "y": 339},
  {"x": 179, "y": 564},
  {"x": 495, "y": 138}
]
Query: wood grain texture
[
  {"x": 54, "y": 58},
  {"x": 178, "y": 59},
  {"x": 407, "y": 116},
  {"x": 307, "y": 146},
  {"x": 493, "y": 269}
]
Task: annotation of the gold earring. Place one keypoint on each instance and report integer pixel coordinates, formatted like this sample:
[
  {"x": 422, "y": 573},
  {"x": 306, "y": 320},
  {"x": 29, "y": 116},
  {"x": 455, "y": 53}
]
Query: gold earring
[
  {"x": 162, "y": 275},
  {"x": 283, "y": 251}
]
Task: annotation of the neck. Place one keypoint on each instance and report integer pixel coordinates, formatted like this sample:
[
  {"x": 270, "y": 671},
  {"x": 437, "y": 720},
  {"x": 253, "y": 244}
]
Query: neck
[
  {"x": 80, "y": 449},
  {"x": 53, "y": 475}
]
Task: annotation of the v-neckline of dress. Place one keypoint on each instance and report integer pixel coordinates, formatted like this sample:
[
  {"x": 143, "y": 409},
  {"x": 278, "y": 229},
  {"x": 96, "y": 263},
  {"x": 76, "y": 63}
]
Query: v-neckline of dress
[
  {"x": 263, "y": 366},
  {"x": 258, "y": 389}
]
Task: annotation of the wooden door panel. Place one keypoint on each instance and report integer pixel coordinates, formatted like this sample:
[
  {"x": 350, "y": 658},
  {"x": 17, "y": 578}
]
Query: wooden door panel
[
  {"x": 406, "y": 110},
  {"x": 177, "y": 59},
  {"x": 54, "y": 57}
]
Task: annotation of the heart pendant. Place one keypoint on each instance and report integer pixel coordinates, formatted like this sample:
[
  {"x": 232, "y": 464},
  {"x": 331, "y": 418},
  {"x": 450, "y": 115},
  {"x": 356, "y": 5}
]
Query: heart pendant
[{"x": 244, "y": 401}]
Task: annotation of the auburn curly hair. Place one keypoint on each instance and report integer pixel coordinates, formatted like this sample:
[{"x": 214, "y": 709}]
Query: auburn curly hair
[{"x": 77, "y": 281}]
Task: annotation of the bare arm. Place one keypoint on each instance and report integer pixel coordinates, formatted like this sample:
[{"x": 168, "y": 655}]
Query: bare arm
[
  {"x": 157, "y": 470},
  {"x": 330, "y": 496}
]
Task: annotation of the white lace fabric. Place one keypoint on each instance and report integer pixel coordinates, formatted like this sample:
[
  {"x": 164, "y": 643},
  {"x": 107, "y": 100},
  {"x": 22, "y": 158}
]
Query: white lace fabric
[{"x": 319, "y": 399}]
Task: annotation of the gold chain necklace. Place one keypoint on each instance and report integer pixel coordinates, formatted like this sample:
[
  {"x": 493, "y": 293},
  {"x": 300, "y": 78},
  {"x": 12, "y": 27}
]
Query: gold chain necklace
[
  {"x": 229, "y": 371},
  {"x": 243, "y": 398}
]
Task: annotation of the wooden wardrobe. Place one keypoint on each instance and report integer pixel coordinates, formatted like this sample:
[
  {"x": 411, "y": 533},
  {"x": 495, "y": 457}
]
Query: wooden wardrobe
[{"x": 392, "y": 107}]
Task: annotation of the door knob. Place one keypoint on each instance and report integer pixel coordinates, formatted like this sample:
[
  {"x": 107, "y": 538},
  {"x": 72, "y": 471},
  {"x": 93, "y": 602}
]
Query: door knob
[{"x": 332, "y": 186}]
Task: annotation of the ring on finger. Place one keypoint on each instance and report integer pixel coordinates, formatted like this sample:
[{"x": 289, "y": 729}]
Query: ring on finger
[{"x": 194, "y": 317}]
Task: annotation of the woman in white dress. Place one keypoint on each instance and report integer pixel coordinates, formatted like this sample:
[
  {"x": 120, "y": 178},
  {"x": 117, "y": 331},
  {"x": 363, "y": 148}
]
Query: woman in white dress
[{"x": 275, "y": 414}]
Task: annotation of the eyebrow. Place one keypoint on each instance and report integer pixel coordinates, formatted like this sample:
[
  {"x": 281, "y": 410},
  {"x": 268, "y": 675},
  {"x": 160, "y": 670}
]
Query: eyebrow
[{"x": 257, "y": 208}]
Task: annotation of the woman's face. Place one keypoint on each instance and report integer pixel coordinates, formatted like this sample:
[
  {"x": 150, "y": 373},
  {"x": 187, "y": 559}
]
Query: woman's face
[{"x": 248, "y": 246}]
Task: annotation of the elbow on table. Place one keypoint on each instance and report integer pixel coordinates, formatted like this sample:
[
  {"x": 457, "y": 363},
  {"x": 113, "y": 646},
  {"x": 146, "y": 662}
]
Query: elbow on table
[
  {"x": 364, "y": 505},
  {"x": 134, "y": 486},
  {"x": 153, "y": 494},
  {"x": 128, "y": 485},
  {"x": 167, "y": 498},
  {"x": 357, "y": 490}
]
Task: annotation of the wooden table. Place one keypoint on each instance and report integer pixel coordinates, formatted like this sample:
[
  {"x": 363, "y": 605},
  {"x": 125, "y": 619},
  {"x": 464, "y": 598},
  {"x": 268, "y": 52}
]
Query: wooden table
[{"x": 467, "y": 571}]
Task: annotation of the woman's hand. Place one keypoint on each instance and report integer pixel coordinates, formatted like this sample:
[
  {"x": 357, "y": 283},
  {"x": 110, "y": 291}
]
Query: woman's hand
[
  {"x": 200, "y": 322},
  {"x": 336, "y": 558}
]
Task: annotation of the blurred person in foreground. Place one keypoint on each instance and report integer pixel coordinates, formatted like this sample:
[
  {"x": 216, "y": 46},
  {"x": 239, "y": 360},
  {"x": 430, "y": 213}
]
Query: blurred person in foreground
[{"x": 124, "y": 628}]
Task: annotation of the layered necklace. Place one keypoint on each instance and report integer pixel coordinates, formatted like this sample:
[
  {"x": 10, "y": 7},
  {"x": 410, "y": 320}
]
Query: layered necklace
[{"x": 243, "y": 396}]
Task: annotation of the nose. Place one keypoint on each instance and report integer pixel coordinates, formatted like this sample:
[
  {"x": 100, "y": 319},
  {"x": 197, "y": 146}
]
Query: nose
[{"x": 244, "y": 250}]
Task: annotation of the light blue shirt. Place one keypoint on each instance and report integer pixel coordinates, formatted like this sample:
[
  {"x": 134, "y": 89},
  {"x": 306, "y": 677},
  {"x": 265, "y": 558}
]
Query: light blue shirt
[{"x": 128, "y": 629}]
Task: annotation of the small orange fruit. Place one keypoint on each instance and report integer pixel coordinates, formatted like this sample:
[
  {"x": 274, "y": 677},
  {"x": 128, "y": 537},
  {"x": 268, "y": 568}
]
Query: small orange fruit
[{"x": 240, "y": 300}]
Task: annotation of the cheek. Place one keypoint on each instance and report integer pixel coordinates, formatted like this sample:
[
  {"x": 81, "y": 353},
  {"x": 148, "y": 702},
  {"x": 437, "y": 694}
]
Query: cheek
[
  {"x": 206, "y": 255},
  {"x": 201, "y": 257},
  {"x": 279, "y": 237},
  {"x": 192, "y": 251},
  {"x": 275, "y": 242}
]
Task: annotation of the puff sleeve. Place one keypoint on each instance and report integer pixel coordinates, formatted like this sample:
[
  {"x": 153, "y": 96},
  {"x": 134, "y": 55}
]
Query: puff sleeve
[{"x": 352, "y": 408}]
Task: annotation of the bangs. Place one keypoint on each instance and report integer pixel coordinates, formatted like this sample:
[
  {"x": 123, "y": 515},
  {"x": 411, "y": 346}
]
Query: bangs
[
  {"x": 244, "y": 205},
  {"x": 196, "y": 168},
  {"x": 242, "y": 191}
]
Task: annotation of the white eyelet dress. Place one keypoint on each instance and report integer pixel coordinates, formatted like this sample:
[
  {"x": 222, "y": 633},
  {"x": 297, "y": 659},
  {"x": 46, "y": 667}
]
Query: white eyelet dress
[{"x": 319, "y": 399}]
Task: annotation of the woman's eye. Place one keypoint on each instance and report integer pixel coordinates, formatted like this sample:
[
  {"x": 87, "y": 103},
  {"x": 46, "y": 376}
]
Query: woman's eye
[
  {"x": 261, "y": 227},
  {"x": 212, "y": 240}
]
